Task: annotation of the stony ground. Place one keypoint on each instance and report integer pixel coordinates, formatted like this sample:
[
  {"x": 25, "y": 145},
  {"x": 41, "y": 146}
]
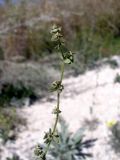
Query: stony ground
[{"x": 96, "y": 91}]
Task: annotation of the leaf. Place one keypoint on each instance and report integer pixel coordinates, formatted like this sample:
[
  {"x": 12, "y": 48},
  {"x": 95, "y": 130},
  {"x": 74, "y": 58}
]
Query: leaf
[
  {"x": 56, "y": 111},
  {"x": 78, "y": 136},
  {"x": 67, "y": 61},
  {"x": 55, "y": 29},
  {"x": 55, "y": 86},
  {"x": 56, "y": 138}
]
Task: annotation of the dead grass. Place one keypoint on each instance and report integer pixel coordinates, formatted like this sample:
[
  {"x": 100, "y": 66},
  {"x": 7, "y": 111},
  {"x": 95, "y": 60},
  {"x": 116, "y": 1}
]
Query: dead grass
[{"x": 75, "y": 16}]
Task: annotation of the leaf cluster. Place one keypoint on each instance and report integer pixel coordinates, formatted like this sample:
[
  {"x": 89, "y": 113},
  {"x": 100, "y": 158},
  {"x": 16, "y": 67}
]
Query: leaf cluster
[
  {"x": 57, "y": 38},
  {"x": 71, "y": 146},
  {"x": 56, "y": 86}
]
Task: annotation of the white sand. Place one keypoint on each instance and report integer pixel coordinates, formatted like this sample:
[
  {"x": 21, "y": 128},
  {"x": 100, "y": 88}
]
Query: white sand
[{"x": 80, "y": 93}]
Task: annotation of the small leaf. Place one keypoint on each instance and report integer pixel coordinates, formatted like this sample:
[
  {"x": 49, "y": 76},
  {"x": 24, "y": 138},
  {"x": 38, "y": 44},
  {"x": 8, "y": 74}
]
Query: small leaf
[
  {"x": 38, "y": 150},
  {"x": 78, "y": 136},
  {"x": 67, "y": 61},
  {"x": 56, "y": 138},
  {"x": 68, "y": 57},
  {"x": 55, "y": 85},
  {"x": 56, "y": 111},
  {"x": 55, "y": 29}
]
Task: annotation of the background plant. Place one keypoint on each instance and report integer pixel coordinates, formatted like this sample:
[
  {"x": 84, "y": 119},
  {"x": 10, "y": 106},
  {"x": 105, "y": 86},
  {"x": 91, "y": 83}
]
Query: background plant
[
  {"x": 10, "y": 123},
  {"x": 14, "y": 157},
  {"x": 24, "y": 80},
  {"x": 113, "y": 63},
  {"x": 70, "y": 146},
  {"x": 79, "y": 19},
  {"x": 117, "y": 78},
  {"x": 114, "y": 139},
  {"x": 10, "y": 92}
]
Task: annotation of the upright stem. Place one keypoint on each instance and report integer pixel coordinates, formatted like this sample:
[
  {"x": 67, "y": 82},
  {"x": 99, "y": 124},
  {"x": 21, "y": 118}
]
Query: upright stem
[
  {"x": 62, "y": 71},
  {"x": 58, "y": 107}
]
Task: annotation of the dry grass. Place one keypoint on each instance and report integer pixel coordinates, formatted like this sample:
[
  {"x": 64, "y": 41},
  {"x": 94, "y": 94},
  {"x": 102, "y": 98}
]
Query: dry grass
[{"x": 75, "y": 16}]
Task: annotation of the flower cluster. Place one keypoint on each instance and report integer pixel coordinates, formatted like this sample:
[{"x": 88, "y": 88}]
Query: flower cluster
[
  {"x": 111, "y": 123},
  {"x": 57, "y": 37},
  {"x": 56, "y": 86}
]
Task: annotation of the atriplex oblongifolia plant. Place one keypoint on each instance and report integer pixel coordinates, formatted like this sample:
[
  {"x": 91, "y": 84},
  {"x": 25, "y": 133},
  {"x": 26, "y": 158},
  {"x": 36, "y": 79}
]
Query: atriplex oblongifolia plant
[{"x": 66, "y": 57}]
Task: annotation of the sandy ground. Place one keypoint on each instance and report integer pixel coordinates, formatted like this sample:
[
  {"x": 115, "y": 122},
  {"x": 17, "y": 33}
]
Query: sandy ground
[{"x": 94, "y": 89}]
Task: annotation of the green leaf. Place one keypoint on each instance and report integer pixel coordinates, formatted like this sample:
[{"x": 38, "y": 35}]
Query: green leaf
[
  {"x": 67, "y": 61},
  {"x": 56, "y": 138},
  {"x": 56, "y": 111},
  {"x": 55, "y": 85},
  {"x": 78, "y": 136},
  {"x": 55, "y": 29}
]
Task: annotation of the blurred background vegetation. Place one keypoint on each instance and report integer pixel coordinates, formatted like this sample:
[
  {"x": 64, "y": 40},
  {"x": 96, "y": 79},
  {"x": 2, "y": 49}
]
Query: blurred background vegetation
[
  {"x": 88, "y": 26},
  {"x": 91, "y": 28}
]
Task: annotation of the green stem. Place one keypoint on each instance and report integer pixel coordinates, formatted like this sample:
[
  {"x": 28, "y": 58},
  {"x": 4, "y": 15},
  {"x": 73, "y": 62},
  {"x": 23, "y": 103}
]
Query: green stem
[
  {"x": 62, "y": 71},
  {"x": 58, "y": 107},
  {"x": 57, "y": 116}
]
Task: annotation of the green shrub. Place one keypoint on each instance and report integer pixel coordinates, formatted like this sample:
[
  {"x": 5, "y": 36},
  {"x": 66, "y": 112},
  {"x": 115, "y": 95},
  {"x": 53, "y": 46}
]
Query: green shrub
[
  {"x": 39, "y": 44},
  {"x": 88, "y": 45},
  {"x": 27, "y": 77},
  {"x": 117, "y": 78},
  {"x": 10, "y": 91},
  {"x": 113, "y": 64},
  {"x": 114, "y": 139},
  {"x": 14, "y": 157},
  {"x": 10, "y": 123},
  {"x": 104, "y": 24},
  {"x": 70, "y": 146}
]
